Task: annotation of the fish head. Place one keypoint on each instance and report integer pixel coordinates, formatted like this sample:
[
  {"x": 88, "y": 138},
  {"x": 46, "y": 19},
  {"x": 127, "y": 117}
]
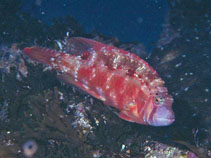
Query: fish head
[
  {"x": 155, "y": 110},
  {"x": 160, "y": 111}
]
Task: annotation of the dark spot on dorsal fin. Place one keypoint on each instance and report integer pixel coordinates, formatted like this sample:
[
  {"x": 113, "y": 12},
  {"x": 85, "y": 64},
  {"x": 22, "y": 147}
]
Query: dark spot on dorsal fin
[
  {"x": 85, "y": 55},
  {"x": 130, "y": 72}
]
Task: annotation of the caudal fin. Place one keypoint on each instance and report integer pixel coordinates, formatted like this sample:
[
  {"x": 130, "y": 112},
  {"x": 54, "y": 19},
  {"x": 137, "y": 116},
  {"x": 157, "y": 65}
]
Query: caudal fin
[{"x": 42, "y": 55}]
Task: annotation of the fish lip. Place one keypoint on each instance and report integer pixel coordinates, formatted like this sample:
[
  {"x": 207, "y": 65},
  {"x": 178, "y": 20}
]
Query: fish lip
[
  {"x": 165, "y": 121},
  {"x": 163, "y": 116}
]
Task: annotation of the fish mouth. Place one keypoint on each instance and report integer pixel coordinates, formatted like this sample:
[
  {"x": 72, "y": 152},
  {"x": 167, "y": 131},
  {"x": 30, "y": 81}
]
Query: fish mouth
[
  {"x": 163, "y": 116},
  {"x": 164, "y": 121}
]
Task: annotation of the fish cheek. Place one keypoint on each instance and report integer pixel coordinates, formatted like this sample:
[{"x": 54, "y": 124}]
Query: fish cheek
[
  {"x": 132, "y": 115},
  {"x": 150, "y": 118},
  {"x": 125, "y": 117}
]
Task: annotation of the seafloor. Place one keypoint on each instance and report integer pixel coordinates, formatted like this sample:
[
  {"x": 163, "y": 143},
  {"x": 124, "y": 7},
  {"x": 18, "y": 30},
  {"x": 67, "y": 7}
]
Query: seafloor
[{"x": 41, "y": 115}]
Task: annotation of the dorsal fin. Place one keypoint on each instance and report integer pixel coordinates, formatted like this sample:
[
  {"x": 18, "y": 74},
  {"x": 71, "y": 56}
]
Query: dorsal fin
[{"x": 77, "y": 46}]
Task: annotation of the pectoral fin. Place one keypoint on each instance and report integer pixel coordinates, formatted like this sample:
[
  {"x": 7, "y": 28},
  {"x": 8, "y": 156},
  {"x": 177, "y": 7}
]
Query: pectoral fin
[
  {"x": 68, "y": 79},
  {"x": 125, "y": 117}
]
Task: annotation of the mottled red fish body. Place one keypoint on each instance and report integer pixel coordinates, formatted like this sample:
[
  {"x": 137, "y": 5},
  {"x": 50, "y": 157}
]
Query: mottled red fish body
[{"x": 117, "y": 77}]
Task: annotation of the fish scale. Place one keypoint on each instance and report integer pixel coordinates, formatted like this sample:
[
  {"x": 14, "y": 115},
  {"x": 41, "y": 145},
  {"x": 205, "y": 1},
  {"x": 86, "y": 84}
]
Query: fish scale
[{"x": 117, "y": 77}]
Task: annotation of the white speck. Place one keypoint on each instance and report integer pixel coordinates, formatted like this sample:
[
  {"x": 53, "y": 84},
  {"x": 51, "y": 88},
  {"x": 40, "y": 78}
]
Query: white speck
[
  {"x": 111, "y": 94},
  {"x": 61, "y": 95},
  {"x": 186, "y": 74},
  {"x": 196, "y": 37},
  {"x": 59, "y": 44},
  {"x": 194, "y": 114},
  {"x": 91, "y": 101},
  {"x": 93, "y": 74},
  {"x": 65, "y": 69},
  {"x": 168, "y": 76},
  {"x": 93, "y": 58},
  {"x": 181, "y": 79},
  {"x": 107, "y": 83},
  {"x": 103, "y": 50},
  {"x": 191, "y": 73},
  {"x": 77, "y": 66},
  {"x": 140, "y": 69},
  {"x": 183, "y": 55},
  {"x": 101, "y": 93},
  {"x": 186, "y": 89},
  {"x": 188, "y": 40},
  {"x": 54, "y": 65},
  {"x": 71, "y": 106},
  {"x": 107, "y": 86},
  {"x": 52, "y": 59},
  {"x": 97, "y": 122},
  {"x": 206, "y": 90},
  {"x": 179, "y": 64},
  {"x": 85, "y": 84},
  {"x": 116, "y": 61},
  {"x": 205, "y": 100},
  {"x": 206, "y": 55},
  {"x": 136, "y": 75},
  {"x": 114, "y": 97},
  {"x": 29, "y": 148},
  {"x": 123, "y": 147},
  {"x": 155, "y": 82},
  {"x": 115, "y": 50},
  {"x": 96, "y": 154},
  {"x": 47, "y": 68}
]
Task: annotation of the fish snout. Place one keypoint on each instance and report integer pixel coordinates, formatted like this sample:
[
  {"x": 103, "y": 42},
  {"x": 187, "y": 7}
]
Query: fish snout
[{"x": 163, "y": 116}]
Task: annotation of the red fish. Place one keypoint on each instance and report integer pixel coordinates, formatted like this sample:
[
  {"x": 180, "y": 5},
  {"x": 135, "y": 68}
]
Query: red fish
[{"x": 119, "y": 78}]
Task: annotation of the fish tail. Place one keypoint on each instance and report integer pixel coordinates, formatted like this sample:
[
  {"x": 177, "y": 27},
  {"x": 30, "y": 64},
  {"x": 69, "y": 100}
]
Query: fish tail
[{"x": 42, "y": 55}]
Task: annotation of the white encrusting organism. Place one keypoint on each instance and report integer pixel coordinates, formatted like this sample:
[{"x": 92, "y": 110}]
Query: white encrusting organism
[{"x": 29, "y": 148}]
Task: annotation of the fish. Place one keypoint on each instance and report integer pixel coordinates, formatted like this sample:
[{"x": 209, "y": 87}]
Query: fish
[{"x": 118, "y": 78}]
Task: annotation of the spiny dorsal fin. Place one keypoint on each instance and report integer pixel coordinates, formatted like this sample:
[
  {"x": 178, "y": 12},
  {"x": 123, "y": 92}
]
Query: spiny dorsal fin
[{"x": 77, "y": 46}]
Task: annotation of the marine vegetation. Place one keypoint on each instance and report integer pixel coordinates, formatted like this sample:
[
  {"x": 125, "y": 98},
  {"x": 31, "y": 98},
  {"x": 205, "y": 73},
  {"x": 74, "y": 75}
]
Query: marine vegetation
[{"x": 43, "y": 117}]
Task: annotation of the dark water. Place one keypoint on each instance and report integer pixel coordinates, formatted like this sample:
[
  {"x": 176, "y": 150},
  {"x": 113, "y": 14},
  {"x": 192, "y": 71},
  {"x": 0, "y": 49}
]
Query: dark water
[
  {"x": 128, "y": 21},
  {"x": 41, "y": 115}
]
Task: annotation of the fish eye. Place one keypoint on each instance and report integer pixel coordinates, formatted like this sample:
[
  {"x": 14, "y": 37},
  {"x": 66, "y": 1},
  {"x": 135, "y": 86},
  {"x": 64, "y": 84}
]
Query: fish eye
[{"x": 159, "y": 100}]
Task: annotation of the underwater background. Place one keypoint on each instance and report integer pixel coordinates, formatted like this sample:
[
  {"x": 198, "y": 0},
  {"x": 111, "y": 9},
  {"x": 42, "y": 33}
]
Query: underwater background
[{"x": 41, "y": 116}]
